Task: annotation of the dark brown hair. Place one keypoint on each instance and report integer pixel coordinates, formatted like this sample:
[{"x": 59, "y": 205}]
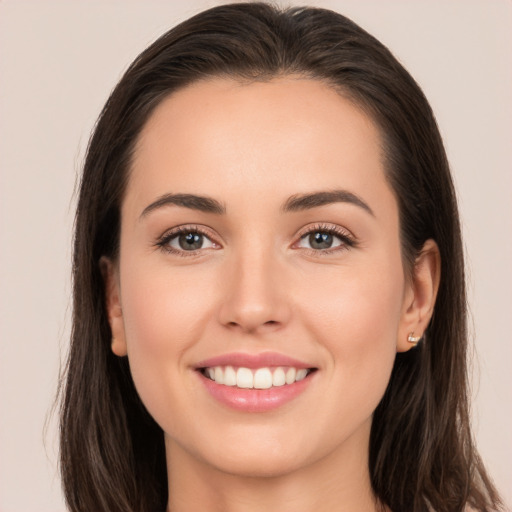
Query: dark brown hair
[{"x": 421, "y": 450}]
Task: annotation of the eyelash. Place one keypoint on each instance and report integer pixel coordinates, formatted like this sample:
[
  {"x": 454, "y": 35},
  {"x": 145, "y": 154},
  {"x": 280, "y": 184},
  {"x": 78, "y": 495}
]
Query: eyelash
[
  {"x": 346, "y": 238},
  {"x": 163, "y": 242}
]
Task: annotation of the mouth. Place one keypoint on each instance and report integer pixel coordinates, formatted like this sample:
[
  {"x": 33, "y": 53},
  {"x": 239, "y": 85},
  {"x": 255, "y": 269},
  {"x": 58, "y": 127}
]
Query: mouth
[
  {"x": 255, "y": 378},
  {"x": 255, "y": 383}
]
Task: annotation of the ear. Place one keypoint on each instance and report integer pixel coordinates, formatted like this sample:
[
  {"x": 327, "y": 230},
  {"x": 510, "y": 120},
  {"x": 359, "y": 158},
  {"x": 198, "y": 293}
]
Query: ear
[
  {"x": 420, "y": 295},
  {"x": 113, "y": 306}
]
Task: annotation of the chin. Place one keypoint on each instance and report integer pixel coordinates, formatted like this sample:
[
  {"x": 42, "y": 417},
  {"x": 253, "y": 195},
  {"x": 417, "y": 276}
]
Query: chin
[
  {"x": 259, "y": 465},
  {"x": 268, "y": 456}
]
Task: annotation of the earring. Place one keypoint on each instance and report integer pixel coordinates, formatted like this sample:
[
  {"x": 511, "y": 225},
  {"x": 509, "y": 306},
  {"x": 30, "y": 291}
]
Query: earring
[{"x": 413, "y": 339}]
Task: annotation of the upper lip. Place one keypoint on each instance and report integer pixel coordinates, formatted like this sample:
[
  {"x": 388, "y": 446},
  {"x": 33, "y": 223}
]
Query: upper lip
[{"x": 252, "y": 361}]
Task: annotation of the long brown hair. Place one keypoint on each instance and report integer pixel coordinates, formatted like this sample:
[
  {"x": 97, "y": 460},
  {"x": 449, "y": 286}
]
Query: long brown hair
[{"x": 421, "y": 450}]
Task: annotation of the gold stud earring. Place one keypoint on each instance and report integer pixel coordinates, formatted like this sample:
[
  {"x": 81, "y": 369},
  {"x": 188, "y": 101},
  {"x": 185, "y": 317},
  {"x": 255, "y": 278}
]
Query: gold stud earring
[{"x": 413, "y": 339}]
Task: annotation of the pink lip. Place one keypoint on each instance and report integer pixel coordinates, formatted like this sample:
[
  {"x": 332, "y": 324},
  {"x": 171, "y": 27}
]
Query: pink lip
[
  {"x": 254, "y": 400},
  {"x": 252, "y": 361}
]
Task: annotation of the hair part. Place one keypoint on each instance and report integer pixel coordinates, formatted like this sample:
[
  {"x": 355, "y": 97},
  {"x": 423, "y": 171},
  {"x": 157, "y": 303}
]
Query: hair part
[{"x": 422, "y": 455}]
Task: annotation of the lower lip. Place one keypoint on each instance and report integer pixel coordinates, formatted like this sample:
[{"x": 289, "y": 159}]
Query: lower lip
[{"x": 255, "y": 400}]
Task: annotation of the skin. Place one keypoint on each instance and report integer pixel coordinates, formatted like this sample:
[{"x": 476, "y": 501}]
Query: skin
[{"x": 256, "y": 285}]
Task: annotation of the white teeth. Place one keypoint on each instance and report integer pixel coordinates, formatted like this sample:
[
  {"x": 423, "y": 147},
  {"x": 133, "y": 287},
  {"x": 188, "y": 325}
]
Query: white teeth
[
  {"x": 219, "y": 375},
  {"x": 229, "y": 376},
  {"x": 278, "y": 378},
  {"x": 301, "y": 374},
  {"x": 261, "y": 378},
  {"x": 244, "y": 378},
  {"x": 290, "y": 375}
]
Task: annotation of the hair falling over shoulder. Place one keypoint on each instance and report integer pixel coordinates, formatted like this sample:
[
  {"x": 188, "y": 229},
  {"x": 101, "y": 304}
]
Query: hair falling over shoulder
[{"x": 422, "y": 455}]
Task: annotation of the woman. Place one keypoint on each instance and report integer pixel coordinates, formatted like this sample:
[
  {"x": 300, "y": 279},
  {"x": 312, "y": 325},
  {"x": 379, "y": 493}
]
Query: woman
[{"x": 269, "y": 305}]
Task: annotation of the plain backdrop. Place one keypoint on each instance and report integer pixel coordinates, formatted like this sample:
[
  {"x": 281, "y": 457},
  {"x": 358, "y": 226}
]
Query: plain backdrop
[{"x": 58, "y": 63}]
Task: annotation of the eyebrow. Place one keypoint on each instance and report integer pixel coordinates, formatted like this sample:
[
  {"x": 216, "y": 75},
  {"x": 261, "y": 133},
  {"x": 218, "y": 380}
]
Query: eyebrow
[
  {"x": 300, "y": 202},
  {"x": 295, "y": 203},
  {"x": 192, "y": 201}
]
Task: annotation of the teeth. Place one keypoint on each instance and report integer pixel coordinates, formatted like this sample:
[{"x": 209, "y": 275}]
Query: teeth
[
  {"x": 278, "y": 378},
  {"x": 218, "y": 376},
  {"x": 290, "y": 375},
  {"x": 301, "y": 374},
  {"x": 262, "y": 378},
  {"x": 244, "y": 378},
  {"x": 229, "y": 376}
]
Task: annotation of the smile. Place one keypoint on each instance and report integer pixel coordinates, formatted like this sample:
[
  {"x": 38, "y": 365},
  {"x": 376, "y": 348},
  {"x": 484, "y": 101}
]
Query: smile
[
  {"x": 255, "y": 383},
  {"x": 260, "y": 378}
]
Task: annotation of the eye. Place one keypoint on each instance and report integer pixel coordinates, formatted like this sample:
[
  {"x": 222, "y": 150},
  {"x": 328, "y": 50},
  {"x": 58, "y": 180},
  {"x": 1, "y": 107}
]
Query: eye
[
  {"x": 190, "y": 241},
  {"x": 186, "y": 239},
  {"x": 326, "y": 239},
  {"x": 320, "y": 240}
]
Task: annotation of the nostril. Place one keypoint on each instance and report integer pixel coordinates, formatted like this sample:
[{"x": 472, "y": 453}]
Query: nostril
[{"x": 269, "y": 323}]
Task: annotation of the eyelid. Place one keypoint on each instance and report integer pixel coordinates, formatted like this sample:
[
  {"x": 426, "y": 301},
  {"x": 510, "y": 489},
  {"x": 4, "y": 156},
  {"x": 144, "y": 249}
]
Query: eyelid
[
  {"x": 325, "y": 226},
  {"x": 347, "y": 238},
  {"x": 162, "y": 242},
  {"x": 344, "y": 235}
]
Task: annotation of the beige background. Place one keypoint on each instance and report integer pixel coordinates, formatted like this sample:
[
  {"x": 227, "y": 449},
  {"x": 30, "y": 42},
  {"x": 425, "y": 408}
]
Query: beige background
[{"x": 58, "y": 62}]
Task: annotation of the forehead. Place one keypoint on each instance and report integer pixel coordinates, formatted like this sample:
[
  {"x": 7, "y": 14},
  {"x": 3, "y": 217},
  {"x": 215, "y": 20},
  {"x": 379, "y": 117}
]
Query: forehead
[{"x": 288, "y": 135}]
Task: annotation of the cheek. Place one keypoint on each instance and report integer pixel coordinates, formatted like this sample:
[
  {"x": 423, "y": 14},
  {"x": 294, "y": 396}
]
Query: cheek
[
  {"x": 163, "y": 309},
  {"x": 356, "y": 317},
  {"x": 366, "y": 300},
  {"x": 165, "y": 313}
]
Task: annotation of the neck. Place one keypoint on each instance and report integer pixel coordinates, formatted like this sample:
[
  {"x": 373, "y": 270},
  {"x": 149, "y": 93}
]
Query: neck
[{"x": 339, "y": 482}]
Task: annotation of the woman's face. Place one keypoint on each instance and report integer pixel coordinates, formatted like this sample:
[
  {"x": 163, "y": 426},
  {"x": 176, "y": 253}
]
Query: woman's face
[{"x": 260, "y": 242}]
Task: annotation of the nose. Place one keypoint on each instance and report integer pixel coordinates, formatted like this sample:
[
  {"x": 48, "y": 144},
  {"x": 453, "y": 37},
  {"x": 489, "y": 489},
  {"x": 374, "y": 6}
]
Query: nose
[{"x": 255, "y": 296}]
